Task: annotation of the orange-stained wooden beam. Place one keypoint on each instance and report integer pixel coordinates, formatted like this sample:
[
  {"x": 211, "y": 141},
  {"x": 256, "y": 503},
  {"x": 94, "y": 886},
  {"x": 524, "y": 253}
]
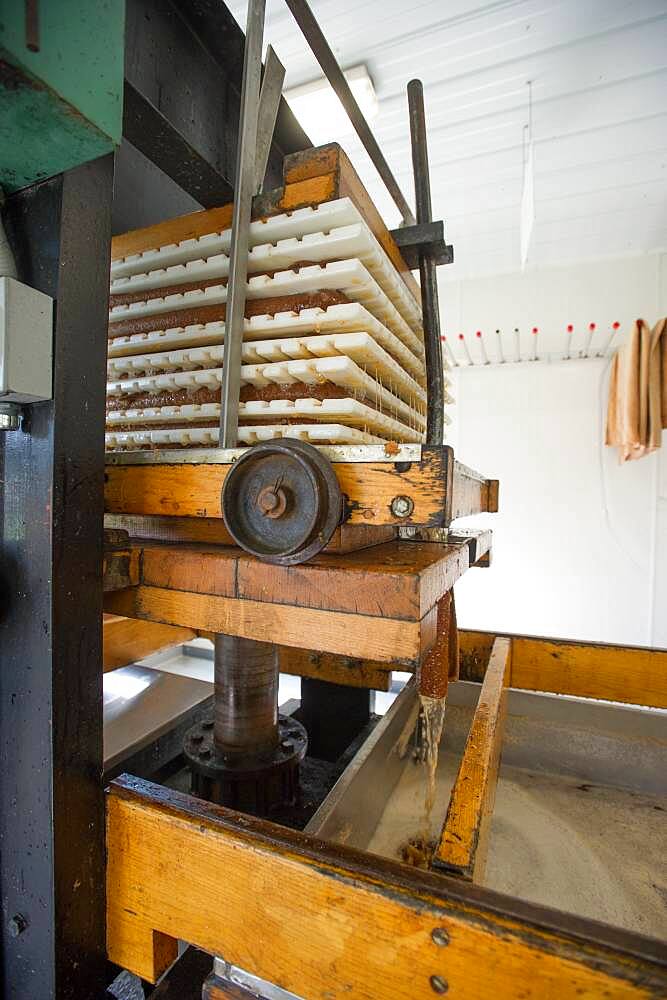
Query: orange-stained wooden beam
[
  {"x": 126, "y": 640},
  {"x": 630, "y": 674},
  {"x": 330, "y": 923},
  {"x": 464, "y": 839}
]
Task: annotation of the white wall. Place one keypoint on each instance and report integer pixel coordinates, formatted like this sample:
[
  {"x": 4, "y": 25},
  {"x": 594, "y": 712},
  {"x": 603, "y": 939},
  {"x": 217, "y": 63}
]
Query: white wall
[{"x": 580, "y": 544}]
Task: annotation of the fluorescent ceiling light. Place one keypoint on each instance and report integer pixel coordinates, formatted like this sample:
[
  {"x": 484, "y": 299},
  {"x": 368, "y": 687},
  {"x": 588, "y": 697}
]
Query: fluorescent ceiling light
[{"x": 320, "y": 112}]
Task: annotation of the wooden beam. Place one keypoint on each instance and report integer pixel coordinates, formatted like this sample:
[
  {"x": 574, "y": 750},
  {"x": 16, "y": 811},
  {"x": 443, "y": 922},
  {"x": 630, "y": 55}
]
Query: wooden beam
[
  {"x": 335, "y": 669},
  {"x": 194, "y": 490},
  {"x": 360, "y": 636},
  {"x": 126, "y": 640},
  {"x": 471, "y": 493},
  {"x": 329, "y": 923},
  {"x": 439, "y": 488},
  {"x": 401, "y": 580},
  {"x": 628, "y": 674},
  {"x": 211, "y": 530},
  {"x": 464, "y": 840}
]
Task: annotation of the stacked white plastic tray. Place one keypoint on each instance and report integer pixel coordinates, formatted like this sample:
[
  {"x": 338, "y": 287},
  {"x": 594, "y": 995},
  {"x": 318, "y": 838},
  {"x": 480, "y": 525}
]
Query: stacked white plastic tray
[{"x": 371, "y": 346}]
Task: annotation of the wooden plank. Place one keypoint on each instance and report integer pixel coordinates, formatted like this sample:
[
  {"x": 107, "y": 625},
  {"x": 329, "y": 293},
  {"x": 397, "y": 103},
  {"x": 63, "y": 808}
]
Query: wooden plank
[
  {"x": 346, "y": 538},
  {"x": 359, "y": 636},
  {"x": 127, "y": 640},
  {"x": 630, "y": 674},
  {"x": 330, "y": 923},
  {"x": 396, "y": 580},
  {"x": 120, "y": 568},
  {"x": 464, "y": 840},
  {"x": 194, "y": 490},
  {"x": 401, "y": 580},
  {"x": 335, "y": 669},
  {"x": 471, "y": 493},
  {"x": 206, "y": 530},
  {"x": 352, "y": 537}
]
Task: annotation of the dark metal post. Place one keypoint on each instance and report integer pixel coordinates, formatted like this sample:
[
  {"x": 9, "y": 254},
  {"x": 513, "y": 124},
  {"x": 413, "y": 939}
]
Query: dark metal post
[
  {"x": 52, "y": 866},
  {"x": 435, "y": 414},
  {"x": 248, "y": 755},
  {"x": 246, "y": 695}
]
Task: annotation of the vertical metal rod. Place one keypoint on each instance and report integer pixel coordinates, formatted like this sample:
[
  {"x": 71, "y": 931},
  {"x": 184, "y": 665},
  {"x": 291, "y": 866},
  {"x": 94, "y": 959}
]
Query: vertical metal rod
[
  {"x": 501, "y": 356},
  {"x": 482, "y": 349},
  {"x": 435, "y": 403},
  {"x": 269, "y": 103},
  {"x": 568, "y": 341},
  {"x": 603, "y": 350},
  {"x": 314, "y": 35},
  {"x": 246, "y": 695},
  {"x": 244, "y": 191}
]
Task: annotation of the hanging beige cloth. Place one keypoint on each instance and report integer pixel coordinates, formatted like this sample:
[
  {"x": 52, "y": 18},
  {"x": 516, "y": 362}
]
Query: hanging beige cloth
[{"x": 637, "y": 410}]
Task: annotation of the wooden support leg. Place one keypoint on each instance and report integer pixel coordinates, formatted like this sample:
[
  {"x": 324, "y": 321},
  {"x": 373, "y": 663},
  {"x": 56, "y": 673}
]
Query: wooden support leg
[
  {"x": 464, "y": 840},
  {"x": 441, "y": 661}
]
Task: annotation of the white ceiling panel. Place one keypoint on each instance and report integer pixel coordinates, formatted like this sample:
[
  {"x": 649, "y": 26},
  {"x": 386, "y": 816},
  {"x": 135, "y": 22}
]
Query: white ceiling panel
[{"x": 598, "y": 73}]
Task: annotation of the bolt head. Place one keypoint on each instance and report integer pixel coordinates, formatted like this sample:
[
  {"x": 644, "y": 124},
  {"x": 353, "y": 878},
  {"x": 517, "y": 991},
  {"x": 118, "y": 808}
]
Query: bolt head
[
  {"x": 402, "y": 506},
  {"x": 16, "y": 925},
  {"x": 440, "y": 936},
  {"x": 438, "y": 984}
]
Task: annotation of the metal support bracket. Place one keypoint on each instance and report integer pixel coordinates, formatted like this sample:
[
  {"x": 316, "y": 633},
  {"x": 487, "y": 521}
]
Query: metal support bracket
[{"x": 427, "y": 238}]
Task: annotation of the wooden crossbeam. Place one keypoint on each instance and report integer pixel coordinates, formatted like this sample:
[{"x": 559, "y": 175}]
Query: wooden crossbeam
[
  {"x": 329, "y": 923},
  {"x": 376, "y": 604},
  {"x": 629, "y": 674},
  {"x": 126, "y": 640},
  {"x": 372, "y": 637},
  {"x": 438, "y": 487},
  {"x": 464, "y": 840}
]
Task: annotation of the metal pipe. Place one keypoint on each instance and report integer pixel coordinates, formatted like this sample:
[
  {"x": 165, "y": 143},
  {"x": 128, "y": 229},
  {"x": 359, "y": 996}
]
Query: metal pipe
[
  {"x": 246, "y": 695},
  {"x": 435, "y": 402},
  {"x": 320, "y": 48},
  {"x": 238, "y": 258}
]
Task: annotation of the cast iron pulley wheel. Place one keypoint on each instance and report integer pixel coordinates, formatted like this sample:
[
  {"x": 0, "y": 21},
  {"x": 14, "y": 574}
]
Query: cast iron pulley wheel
[{"x": 281, "y": 501}]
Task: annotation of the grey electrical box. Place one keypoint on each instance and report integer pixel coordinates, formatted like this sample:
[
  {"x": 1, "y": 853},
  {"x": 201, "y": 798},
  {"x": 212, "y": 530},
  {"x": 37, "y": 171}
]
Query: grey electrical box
[{"x": 26, "y": 343}]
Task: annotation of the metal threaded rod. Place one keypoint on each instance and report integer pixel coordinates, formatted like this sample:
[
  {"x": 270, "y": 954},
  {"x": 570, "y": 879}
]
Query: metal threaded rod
[{"x": 246, "y": 695}]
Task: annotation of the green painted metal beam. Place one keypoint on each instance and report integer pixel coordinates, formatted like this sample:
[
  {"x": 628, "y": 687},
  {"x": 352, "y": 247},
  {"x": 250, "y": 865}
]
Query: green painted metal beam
[{"x": 62, "y": 104}]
